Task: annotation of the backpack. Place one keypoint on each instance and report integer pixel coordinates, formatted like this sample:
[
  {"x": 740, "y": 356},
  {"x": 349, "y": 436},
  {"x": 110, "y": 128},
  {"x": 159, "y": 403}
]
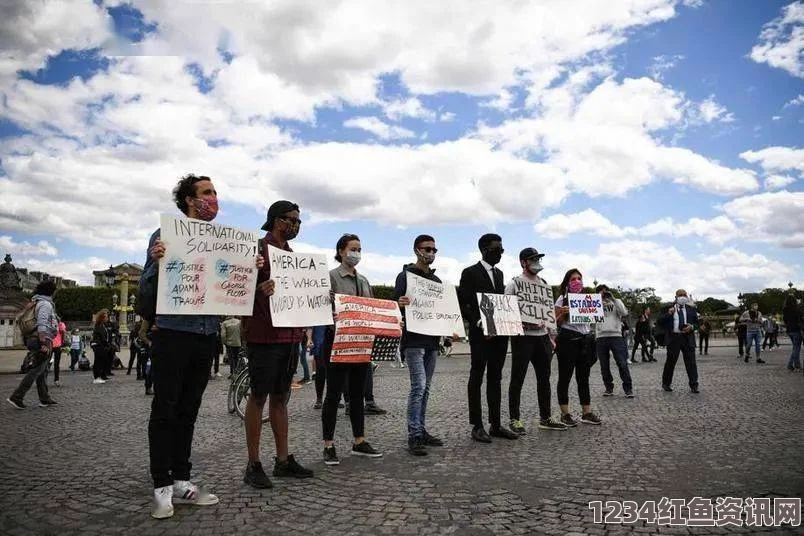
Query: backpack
[{"x": 26, "y": 320}]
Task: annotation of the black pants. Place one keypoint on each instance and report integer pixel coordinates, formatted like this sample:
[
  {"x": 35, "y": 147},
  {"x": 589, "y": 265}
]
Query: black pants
[
  {"x": 216, "y": 363},
  {"x": 683, "y": 343},
  {"x": 575, "y": 355},
  {"x": 320, "y": 378},
  {"x": 486, "y": 354},
  {"x": 35, "y": 374},
  {"x": 368, "y": 388},
  {"x": 536, "y": 351},
  {"x": 340, "y": 376},
  {"x": 180, "y": 364},
  {"x": 770, "y": 340},
  {"x": 99, "y": 363},
  {"x": 647, "y": 350},
  {"x": 57, "y": 361},
  {"x": 741, "y": 335},
  {"x": 703, "y": 343}
]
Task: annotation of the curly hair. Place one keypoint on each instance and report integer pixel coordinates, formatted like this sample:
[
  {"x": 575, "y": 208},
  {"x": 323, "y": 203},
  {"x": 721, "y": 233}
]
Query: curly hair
[{"x": 186, "y": 188}]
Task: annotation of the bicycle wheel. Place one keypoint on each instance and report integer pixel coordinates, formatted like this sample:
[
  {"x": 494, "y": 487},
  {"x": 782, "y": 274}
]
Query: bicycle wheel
[
  {"x": 241, "y": 393},
  {"x": 230, "y": 396}
]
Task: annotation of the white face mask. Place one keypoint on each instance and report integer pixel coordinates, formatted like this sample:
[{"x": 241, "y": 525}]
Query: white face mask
[
  {"x": 535, "y": 267},
  {"x": 682, "y": 300},
  {"x": 352, "y": 258}
]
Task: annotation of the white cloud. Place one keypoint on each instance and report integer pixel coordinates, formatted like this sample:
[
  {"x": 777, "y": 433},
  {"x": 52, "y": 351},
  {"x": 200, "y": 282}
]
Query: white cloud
[
  {"x": 781, "y": 42},
  {"x": 798, "y": 101},
  {"x": 770, "y": 216},
  {"x": 662, "y": 64},
  {"x": 710, "y": 110},
  {"x": 399, "y": 109},
  {"x": 501, "y": 102},
  {"x": 587, "y": 221},
  {"x": 775, "y": 182},
  {"x": 382, "y": 130},
  {"x": 79, "y": 271},
  {"x": 43, "y": 247},
  {"x": 776, "y": 158},
  {"x": 446, "y": 117}
]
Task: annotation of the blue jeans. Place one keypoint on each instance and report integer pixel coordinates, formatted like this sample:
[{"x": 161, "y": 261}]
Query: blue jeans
[
  {"x": 303, "y": 360},
  {"x": 617, "y": 346},
  {"x": 755, "y": 336},
  {"x": 795, "y": 355},
  {"x": 421, "y": 364}
]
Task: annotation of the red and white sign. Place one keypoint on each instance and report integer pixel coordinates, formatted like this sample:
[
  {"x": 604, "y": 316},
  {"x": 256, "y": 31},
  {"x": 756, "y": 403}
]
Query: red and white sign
[{"x": 366, "y": 329}]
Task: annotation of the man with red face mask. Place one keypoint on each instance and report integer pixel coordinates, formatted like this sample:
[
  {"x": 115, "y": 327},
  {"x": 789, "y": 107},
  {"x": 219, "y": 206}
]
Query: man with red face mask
[{"x": 182, "y": 350}]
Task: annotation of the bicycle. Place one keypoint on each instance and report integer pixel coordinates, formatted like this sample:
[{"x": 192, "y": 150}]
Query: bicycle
[{"x": 237, "y": 397}]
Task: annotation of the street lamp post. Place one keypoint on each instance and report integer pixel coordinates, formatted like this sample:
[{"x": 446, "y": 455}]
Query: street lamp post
[{"x": 109, "y": 275}]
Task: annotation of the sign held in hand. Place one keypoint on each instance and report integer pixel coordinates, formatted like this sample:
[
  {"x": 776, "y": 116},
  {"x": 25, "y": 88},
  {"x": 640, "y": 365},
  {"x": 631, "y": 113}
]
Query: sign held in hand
[
  {"x": 499, "y": 314},
  {"x": 585, "y": 308},
  {"x": 301, "y": 289},
  {"x": 367, "y": 329},
  {"x": 535, "y": 302},
  {"x": 433, "y": 308}
]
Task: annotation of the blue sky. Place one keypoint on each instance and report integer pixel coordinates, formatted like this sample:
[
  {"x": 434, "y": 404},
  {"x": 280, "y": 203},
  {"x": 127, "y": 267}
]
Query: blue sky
[{"x": 650, "y": 143}]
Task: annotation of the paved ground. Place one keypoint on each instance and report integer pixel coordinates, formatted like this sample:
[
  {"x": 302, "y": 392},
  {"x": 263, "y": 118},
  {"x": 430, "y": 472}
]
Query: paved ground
[{"x": 81, "y": 467}]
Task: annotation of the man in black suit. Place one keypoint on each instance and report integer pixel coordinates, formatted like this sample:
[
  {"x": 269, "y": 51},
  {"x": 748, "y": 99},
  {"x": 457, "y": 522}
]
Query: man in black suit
[
  {"x": 680, "y": 322},
  {"x": 487, "y": 352}
]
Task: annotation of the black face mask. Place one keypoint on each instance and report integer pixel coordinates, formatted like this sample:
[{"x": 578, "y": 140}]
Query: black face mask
[
  {"x": 492, "y": 256},
  {"x": 290, "y": 233}
]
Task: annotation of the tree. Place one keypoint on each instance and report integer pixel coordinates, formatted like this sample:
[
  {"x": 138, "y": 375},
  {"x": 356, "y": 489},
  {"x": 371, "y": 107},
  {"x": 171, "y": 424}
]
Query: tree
[
  {"x": 383, "y": 292},
  {"x": 80, "y": 303},
  {"x": 637, "y": 299},
  {"x": 712, "y": 305},
  {"x": 769, "y": 300}
]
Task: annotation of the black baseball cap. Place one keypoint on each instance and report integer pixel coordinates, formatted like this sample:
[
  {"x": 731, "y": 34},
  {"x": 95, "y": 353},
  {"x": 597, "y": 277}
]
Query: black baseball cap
[
  {"x": 529, "y": 253},
  {"x": 277, "y": 209}
]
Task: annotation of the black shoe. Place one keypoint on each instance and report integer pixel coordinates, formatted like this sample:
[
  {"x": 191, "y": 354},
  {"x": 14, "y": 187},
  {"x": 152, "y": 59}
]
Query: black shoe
[
  {"x": 110, "y": 373},
  {"x": 629, "y": 394},
  {"x": 694, "y": 390},
  {"x": 348, "y": 410},
  {"x": 340, "y": 405},
  {"x": 667, "y": 388},
  {"x": 373, "y": 409},
  {"x": 608, "y": 392},
  {"x": 568, "y": 421},
  {"x": 550, "y": 424},
  {"x": 47, "y": 403},
  {"x": 432, "y": 441},
  {"x": 16, "y": 403},
  {"x": 505, "y": 433},
  {"x": 330, "y": 456},
  {"x": 590, "y": 418},
  {"x": 364, "y": 449},
  {"x": 139, "y": 378},
  {"x": 479, "y": 434},
  {"x": 149, "y": 392},
  {"x": 255, "y": 476},
  {"x": 416, "y": 446},
  {"x": 517, "y": 427},
  {"x": 760, "y": 360},
  {"x": 747, "y": 358},
  {"x": 318, "y": 405},
  {"x": 290, "y": 467},
  {"x": 128, "y": 373},
  {"x": 306, "y": 380},
  {"x": 645, "y": 360}
]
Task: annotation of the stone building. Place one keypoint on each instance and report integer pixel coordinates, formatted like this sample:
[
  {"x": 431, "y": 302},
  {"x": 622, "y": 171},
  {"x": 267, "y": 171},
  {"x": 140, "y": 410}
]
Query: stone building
[
  {"x": 133, "y": 270},
  {"x": 12, "y": 301}
]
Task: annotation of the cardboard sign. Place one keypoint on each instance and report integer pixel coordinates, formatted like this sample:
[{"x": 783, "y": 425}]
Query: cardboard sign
[
  {"x": 433, "y": 308},
  {"x": 367, "y": 329},
  {"x": 536, "y": 305},
  {"x": 585, "y": 308},
  {"x": 499, "y": 314},
  {"x": 208, "y": 269},
  {"x": 301, "y": 291}
]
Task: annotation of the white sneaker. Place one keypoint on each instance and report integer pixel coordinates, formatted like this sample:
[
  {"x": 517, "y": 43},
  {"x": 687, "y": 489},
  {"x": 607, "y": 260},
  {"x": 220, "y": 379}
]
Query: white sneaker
[
  {"x": 57, "y": 383},
  {"x": 162, "y": 505},
  {"x": 185, "y": 492},
  {"x": 98, "y": 380}
]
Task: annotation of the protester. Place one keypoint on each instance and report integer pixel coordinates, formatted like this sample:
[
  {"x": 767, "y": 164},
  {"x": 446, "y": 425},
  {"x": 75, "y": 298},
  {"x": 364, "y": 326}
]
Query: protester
[
  {"x": 771, "y": 327},
  {"x": 102, "y": 346},
  {"x": 58, "y": 342},
  {"x": 740, "y": 330},
  {"x": 793, "y": 321},
  {"x": 346, "y": 280},
  {"x": 575, "y": 350},
  {"x": 532, "y": 348},
  {"x": 752, "y": 320},
  {"x": 144, "y": 343},
  {"x": 488, "y": 353},
  {"x": 182, "y": 348},
  {"x": 230, "y": 336},
  {"x": 643, "y": 336},
  {"x": 703, "y": 337},
  {"x": 135, "y": 356},
  {"x": 420, "y": 350},
  {"x": 40, "y": 344},
  {"x": 679, "y": 322},
  {"x": 273, "y": 355},
  {"x": 76, "y": 347},
  {"x": 318, "y": 337},
  {"x": 610, "y": 339}
]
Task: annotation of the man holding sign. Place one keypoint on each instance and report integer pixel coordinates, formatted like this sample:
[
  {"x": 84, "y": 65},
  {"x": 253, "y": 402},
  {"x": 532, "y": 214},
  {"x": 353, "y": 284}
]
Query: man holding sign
[
  {"x": 273, "y": 356},
  {"x": 534, "y": 348},
  {"x": 420, "y": 292}
]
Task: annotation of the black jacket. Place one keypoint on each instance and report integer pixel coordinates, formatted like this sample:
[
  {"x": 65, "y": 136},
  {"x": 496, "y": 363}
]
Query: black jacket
[
  {"x": 414, "y": 340},
  {"x": 476, "y": 279}
]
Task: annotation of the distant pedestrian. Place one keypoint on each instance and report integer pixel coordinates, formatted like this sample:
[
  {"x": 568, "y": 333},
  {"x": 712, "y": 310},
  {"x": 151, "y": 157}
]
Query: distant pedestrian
[
  {"x": 76, "y": 347},
  {"x": 40, "y": 344},
  {"x": 740, "y": 331},
  {"x": 610, "y": 339},
  {"x": 752, "y": 320},
  {"x": 58, "y": 342},
  {"x": 679, "y": 323},
  {"x": 793, "y": 315},
  {"x": 102, "y": 346},
  {"x": 643, "y": 337},
  {"x": 230, "y": 336},
  {"x": 703, "y": 337}
]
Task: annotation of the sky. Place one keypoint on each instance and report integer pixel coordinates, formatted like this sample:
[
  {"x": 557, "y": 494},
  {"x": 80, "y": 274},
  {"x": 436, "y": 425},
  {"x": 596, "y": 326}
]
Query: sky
[{"x": 648, "y": 143}]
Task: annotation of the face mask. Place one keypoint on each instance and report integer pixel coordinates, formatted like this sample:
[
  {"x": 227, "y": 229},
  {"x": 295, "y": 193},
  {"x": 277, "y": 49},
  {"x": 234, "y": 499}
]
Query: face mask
[
  {"x": 534, "y": 267},
  {"x": 682, "y": 300},
  {"x": 575, "y": 286},
  {"x": 754, "y": 307},
  {"x": 207, "y": 208},
  {"x": 428, "y": 258},
  {"x": 352, "y": 258},
  {"x": 290, "y": 233},
  {"x": 492, "y": 257}
]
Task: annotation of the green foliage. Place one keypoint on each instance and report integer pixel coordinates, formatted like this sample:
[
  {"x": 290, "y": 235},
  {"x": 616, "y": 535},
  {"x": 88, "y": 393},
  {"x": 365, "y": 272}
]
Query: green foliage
[
  {"x": 770, "y": 299},
  {"x": 637, "y": 299},
  {"x": 383, "y": 292},
  {"x": 80, "y": 303},
  {"x": 712, "y": 305}
]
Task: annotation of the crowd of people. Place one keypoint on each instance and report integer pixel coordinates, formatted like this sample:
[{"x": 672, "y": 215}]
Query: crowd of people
[{"x": 177, "y": 354}]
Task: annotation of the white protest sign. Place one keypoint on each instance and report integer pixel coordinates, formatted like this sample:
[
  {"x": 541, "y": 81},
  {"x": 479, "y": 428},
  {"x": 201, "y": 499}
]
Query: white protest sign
[
  {"x": 585, "y": 308},
  {"x": 433, "y": 308},
  {"x": 208, "y": 269},
  {"x": 499, "y": 314},
  {"x": 301, "y": 289},
  {"x": 536, "y": 305}
]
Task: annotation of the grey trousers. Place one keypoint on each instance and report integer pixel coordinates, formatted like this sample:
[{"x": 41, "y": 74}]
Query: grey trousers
[{"x": 37, "y": 373}]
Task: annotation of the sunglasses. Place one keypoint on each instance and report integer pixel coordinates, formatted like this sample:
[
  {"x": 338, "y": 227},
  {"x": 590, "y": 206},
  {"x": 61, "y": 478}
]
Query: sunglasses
[
  {"x": 428, "y": 249},
  {"x": 291, "y": 221}
]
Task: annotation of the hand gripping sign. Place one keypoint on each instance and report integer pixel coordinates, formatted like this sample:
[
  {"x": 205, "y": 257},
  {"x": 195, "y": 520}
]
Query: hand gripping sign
[
  {"x": 366, "y": 329},
  {"x": 585, "y": 308}
]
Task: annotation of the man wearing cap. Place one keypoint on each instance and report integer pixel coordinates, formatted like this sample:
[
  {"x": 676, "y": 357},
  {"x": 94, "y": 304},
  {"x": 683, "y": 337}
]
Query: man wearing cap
[
  {"x": 533, "y": 348},
  {"x": 273, "y": 356}
]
